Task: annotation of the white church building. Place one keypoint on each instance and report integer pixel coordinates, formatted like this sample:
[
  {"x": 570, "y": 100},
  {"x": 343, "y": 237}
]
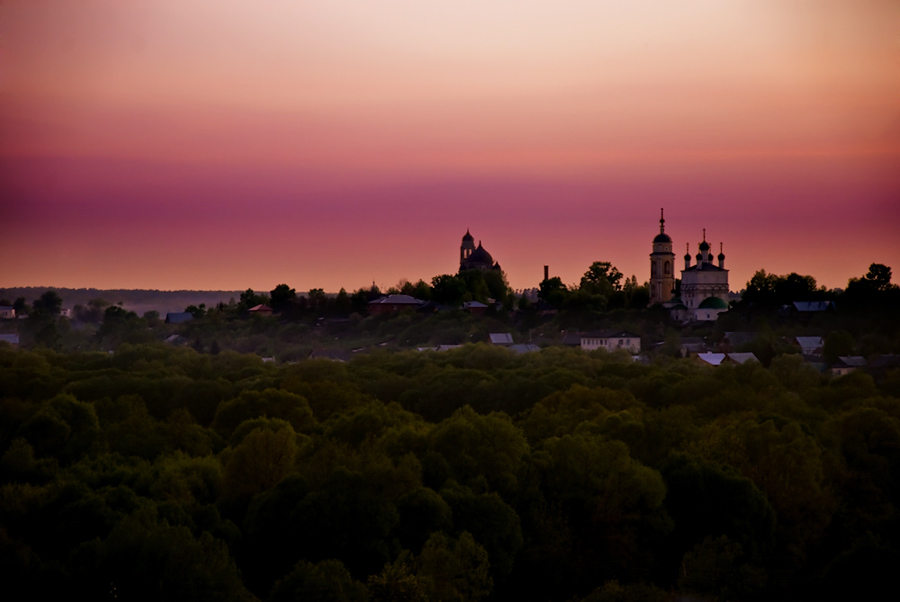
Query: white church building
[{"x": 704, "y": 285}]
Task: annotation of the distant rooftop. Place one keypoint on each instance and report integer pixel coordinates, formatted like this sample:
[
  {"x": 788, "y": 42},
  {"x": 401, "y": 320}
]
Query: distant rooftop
[{"x": 501, "y": 338}]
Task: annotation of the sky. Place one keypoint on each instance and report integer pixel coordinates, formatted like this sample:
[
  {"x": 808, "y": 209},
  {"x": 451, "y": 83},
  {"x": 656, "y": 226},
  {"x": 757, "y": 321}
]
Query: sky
[{"x": 233, "y": 144}]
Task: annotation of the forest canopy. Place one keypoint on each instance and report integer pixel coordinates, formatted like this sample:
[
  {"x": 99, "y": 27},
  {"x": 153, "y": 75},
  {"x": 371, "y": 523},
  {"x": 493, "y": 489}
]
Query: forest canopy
[{"x": 474, "y": 474}]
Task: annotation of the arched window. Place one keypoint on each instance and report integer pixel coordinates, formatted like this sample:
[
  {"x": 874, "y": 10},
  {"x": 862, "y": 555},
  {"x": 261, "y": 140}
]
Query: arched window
[{"x": 667, "y": 268}]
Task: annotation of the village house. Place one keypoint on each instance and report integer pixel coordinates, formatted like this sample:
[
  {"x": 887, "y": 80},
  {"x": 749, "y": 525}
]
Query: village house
[
  {"x": 846, "y": 364},
  {"x": 261, "y": 310},
  {"x": 611, "y": 340},
  {"x": 392, "y": 304}
]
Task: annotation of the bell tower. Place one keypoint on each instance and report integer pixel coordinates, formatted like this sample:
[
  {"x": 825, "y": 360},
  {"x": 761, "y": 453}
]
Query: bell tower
[
  {"x": 467, "y": 247},
  {"x": 662, "y": 266}
]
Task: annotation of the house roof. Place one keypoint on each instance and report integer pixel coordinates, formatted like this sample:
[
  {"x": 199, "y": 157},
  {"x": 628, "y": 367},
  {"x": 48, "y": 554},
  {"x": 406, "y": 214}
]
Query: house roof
[
  {"x": 713, "y": 359},
  {"x": 812, "y": 305},
  {"x": 501, "y": 338},
  {"x": 474, "y": 305},
  {"x": 809, "y": 342},
  {"x": 438, "y": 348},
  {"x": 260, "y": 308},
  {"x": 396, "y": 300},
  {"x": 850, "y": 361},
  {"x": 740, "y": 358},
  {"x": 524, "y": 348},
  {"x": 611, "y": 334},
  {"x": 12, "y": 339}
]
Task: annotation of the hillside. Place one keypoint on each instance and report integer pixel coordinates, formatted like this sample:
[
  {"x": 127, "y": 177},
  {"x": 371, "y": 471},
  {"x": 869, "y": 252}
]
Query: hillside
[{"x": 136, "y": 300}]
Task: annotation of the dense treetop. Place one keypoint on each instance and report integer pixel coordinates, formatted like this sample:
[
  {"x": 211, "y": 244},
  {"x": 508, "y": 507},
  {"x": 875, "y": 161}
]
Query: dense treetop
[{"x": 474, "y": 473}]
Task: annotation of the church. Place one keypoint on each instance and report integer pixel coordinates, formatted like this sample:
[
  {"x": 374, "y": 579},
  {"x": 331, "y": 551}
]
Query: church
[
  {"x": 475, "y": 258},
  {"x": 704, "y": 285}
]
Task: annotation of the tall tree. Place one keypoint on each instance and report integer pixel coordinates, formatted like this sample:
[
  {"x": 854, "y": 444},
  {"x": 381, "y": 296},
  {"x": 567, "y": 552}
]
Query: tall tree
[
  {"x": 282, "y": 297},
  {"x": 878, "y": 277},
  {"x": 50, "y": 302},
  {"x": 601, "y": 278},
  {"x": 553, "y": 291}
]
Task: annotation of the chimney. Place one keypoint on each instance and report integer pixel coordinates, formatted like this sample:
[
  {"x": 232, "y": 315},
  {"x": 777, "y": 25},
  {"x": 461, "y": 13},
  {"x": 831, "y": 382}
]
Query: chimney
[{"x": 546, "y": 272}]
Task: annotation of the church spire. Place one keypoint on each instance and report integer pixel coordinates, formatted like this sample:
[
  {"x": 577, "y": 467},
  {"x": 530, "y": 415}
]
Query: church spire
[{"x": 662, "y": 221}]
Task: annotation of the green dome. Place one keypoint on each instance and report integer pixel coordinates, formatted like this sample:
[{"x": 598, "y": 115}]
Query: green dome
[{"x": 713, "y": 303}]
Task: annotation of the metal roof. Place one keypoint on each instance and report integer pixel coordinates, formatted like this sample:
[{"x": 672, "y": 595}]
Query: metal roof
[
  {"x": 501, "y": 338},
  {"x": 812, "y": 305},
  {"x": 740, "y": 358},
  {"x": 714, "y": 359},
  {"x": 396, "y": 300}
]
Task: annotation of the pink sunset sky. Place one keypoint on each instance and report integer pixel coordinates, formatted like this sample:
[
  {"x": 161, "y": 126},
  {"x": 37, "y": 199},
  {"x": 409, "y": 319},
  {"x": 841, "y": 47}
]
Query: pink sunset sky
[{"x": 194, "y": 144}]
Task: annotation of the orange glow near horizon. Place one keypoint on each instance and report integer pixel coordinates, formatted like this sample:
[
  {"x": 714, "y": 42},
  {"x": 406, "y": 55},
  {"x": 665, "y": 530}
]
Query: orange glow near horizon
[{"x": 234, "y": 144}]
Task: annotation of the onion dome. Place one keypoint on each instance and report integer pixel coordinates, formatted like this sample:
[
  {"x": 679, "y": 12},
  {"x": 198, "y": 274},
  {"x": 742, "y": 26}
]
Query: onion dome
[
  {"x": 468, "y": 237},
  {"x": 704, "y": 246},
  {"x": 480, "y": 255},
  {"x": 662, "y": 237},
  {"x": 687, "y": 255},
  {"x": 721, "y": 253}
]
